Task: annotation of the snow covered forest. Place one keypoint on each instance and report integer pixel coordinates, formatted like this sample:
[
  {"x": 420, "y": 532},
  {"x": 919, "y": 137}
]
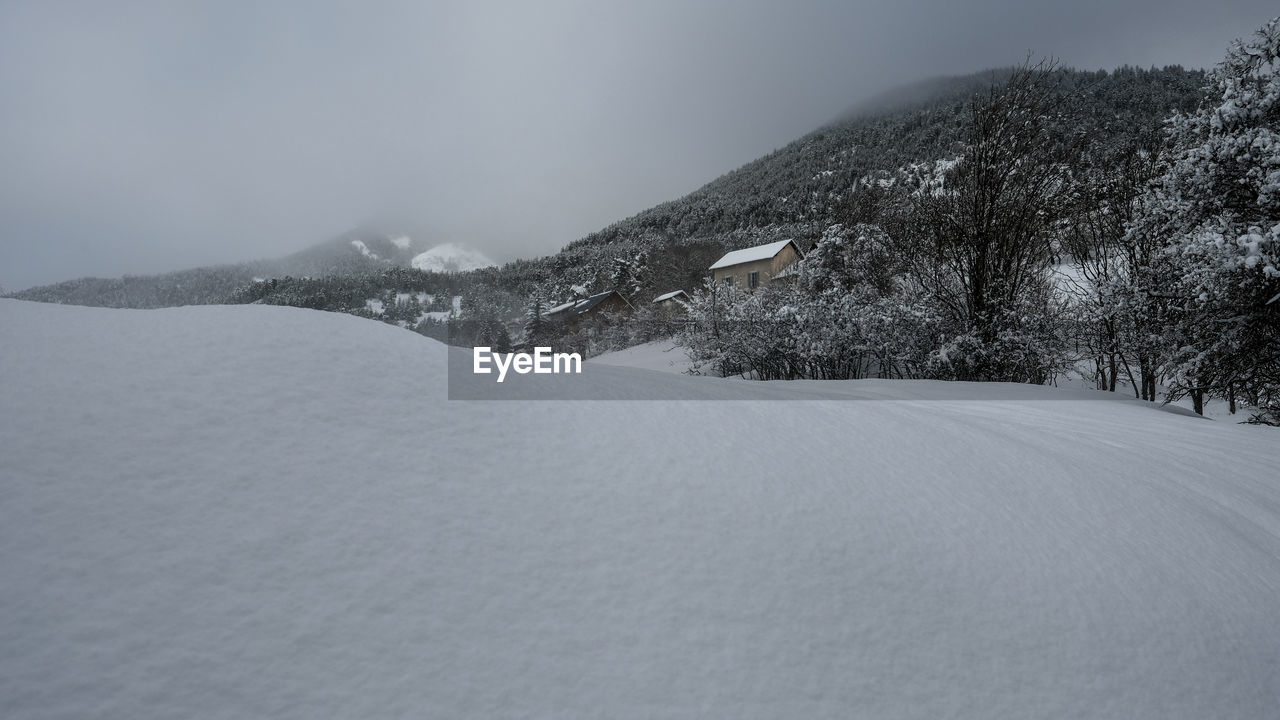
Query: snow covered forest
[{"x": 1037, "y": 250}]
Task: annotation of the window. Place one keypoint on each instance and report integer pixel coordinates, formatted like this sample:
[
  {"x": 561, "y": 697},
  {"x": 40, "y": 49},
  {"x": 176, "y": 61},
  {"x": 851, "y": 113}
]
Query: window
[
  {"x": 728, "y": 281},
  {"x": 753, "y": 279}
]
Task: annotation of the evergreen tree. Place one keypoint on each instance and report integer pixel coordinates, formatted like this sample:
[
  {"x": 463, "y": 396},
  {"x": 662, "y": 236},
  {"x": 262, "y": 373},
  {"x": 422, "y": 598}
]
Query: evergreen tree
[
  {"x": 499, "y": 339},
  {"x": 536, "y": 328}
]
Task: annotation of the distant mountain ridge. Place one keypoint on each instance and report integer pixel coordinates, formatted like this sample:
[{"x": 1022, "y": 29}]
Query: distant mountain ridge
[{"x": 356, "y": 253}]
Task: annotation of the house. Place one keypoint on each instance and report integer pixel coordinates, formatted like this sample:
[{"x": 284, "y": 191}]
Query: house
[
  {"x": 673, "y": 301},
  {"x": 572, "y": 313},
  {"x": 754, "y": 267},
  {"x": 670, "y": 309}
]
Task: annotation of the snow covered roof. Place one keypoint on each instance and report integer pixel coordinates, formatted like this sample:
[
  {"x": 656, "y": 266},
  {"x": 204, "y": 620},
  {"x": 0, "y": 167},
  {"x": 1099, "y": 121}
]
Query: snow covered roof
[
  {"x": 594, "y": 300},
  {"x": 751, "y": 254},
  {"x": 670, "y": 295},
  {"x": 577, "y": 307}
]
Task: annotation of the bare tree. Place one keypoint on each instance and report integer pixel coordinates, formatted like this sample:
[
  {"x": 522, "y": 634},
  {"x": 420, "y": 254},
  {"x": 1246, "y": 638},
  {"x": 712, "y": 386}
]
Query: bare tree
[
  {"x": 1110, "y": 261},
  {"x": 984, "y": 239}
]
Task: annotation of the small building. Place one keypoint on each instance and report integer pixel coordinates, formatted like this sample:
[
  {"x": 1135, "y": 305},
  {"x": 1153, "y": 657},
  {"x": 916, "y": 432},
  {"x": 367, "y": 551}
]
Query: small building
[
  {"x": 674, "y": 300},
  {"x": 572, "y": 313},
  {"x": 670, "y": 309},
  {"x": 757, "y": 266}
]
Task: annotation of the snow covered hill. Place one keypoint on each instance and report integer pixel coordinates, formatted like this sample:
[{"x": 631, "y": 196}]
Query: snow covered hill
[
  {"x": 256, "y": 511},
  {"x": 450, "y": 257}
]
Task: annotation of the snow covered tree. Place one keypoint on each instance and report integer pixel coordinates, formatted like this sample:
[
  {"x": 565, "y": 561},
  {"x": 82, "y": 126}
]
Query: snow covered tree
[
  {"x": 628, "y": 274},
  {"x": 860, "y": 259},
  {"x": 538, "y": 331},
  {"x": 1216, "y": 211},
  {"x": 866, "y": 309},
  {"x": 1113, "y": 325}
]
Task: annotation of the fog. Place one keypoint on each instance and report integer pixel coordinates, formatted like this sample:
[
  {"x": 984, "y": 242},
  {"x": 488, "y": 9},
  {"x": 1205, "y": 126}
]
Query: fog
[{"x": 162, "y": 136}]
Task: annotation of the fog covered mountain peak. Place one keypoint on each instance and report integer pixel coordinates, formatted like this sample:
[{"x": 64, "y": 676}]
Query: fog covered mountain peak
[{"x": 451, "y": 257}]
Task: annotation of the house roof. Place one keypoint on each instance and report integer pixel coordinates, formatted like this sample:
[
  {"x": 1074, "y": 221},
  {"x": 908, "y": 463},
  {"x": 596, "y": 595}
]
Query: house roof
[
  {"x": 562, "y": 308},
  {"x": 751, "y": 254},
  {"x": 577, "y": 307},
  {"x": 591, "y": 302},
  {"x": 670, "y": 295}
]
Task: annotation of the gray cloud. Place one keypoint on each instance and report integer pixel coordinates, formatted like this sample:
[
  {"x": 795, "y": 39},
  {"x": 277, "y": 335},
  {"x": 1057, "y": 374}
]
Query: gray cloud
[{"x": 141, "y": 137}]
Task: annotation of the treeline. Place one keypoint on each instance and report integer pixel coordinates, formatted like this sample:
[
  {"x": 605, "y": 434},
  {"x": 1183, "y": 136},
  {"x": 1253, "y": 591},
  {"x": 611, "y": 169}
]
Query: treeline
[
  {"x": 218, "y": 284},
  {"x": 203, "y": 286},
  {"x": 1146, "y": 258},
  {"x": 348, "y": 293}
]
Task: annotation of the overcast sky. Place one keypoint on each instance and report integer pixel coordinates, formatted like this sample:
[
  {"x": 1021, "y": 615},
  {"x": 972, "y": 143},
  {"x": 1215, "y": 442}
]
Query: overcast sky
[{"x": 144, "y": 137}]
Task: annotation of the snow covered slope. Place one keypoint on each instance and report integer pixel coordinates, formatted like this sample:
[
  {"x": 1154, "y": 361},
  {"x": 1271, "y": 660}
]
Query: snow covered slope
[
  {"x": 250, "y": 511},
  {"x": 660, "y": 355},
  {"x": 450, "y": 257}
]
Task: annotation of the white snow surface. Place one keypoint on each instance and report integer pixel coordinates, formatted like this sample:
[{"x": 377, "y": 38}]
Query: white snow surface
[
  {"x": 451, "y": 257},
  {"x": 660, "y": 355},
  {"x": 404, "y": 297},
  {"x": 751, "y": 254},
  {"x": 251, "y": 511}
]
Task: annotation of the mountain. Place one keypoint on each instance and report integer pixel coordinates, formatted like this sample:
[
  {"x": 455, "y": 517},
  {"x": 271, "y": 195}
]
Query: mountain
[
  {"x": 797, "y": 189},
  {"x": 352, "y": 255}
]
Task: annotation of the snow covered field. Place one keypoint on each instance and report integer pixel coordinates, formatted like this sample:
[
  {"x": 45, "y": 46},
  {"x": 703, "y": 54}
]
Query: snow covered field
[
  {"x": 660, "y": 355},
  {"x": 666, "y": 356},
  {"x": 249, "y": 511}
]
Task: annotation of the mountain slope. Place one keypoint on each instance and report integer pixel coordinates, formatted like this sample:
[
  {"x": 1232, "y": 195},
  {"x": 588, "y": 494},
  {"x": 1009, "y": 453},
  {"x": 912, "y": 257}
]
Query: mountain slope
[
  {"x": 252, "y": 511},
  {"x": 802, "y": 183}
]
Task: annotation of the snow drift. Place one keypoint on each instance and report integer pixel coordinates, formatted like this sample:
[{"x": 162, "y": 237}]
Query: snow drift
[{"x": 256, "y": 511}]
